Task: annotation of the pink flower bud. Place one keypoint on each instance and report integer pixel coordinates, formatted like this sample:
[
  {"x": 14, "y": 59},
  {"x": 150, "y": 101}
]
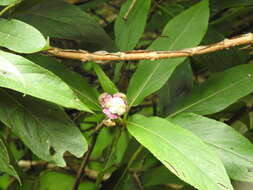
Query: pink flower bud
[{"x": 113, "y": 105}]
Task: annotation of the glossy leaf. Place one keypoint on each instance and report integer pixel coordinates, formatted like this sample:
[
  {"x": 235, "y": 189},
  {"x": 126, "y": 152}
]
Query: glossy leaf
[
  {"x": 42, "y": 126},
  {"x": 218, "y": 92},
  {"x": 130, "y": 23},
  {"x": 181, "y": 152},
  {"x": 39, "y": 82},
  {"x": 20, "y": 37},
  {"x": 85, "y": 92},
  {"x": 5, "y": 161},
  {"x": 104, "y": 80},
  {"x": 60, "y": 19},
  {"x": 235, "y": 151},
  {"x": 152, "y": 75}
]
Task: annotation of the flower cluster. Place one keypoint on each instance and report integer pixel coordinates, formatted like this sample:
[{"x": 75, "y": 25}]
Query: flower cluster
[{"x": 113, "y": 105}]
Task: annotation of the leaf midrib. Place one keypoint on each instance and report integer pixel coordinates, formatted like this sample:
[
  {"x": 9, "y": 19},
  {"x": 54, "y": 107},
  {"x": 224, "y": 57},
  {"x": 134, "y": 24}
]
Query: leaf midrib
[
  {"x": 207, "y": 97},
  {"x": 228, "y": 150}
]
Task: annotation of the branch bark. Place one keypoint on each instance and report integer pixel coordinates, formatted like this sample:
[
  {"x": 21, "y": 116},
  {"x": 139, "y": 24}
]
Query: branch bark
[{"x": 104, "y": 57}]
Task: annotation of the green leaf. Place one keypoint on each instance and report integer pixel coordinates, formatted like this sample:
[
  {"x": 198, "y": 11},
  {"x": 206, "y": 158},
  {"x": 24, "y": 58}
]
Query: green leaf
[
  {"x": 235, "y": 151},
  {"x": 20, "y": 37},
  {"x": 105, "y": 81},
  {"x": 183, "y": 153},
  {"x": 218, "y": 92},
  {"x": 39, "y": 82},
  {"x": 60, "y": 19},
  {"x": 152, "y": 75},
  {"x": 42, "y": 126},
  {"x": 5, "y": 161},
  {"x": 7, "y": 2},
  {"x": 130, "y": 23},
  {"x": 86, "y": 93}
]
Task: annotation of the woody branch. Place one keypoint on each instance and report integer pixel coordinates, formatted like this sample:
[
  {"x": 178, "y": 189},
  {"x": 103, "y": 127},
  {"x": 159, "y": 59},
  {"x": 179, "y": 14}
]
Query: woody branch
[{"x": 104, "y": 57}]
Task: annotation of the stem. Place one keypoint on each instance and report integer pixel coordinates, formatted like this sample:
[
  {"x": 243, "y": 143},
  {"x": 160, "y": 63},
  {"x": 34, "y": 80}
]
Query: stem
[
  {"x": 106, "y": 57},
  {"x": 87, "y": 156},
  {"x": 9, "y": 7}
]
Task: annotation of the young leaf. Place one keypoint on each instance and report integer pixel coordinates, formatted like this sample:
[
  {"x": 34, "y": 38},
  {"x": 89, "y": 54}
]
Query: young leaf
[
  {"x": 235, "y": 151},
  {"x": 60, "y": 19},
  {"x": 152, "y": 75},
  {"x": 20, "y": 37},
  {"x": 85, "y": 92},
  {"x": 42, "y": 126},
  {"x": 39, "y": 82},
  {"x": 5, "y": 161},
  {"x": 181, "y": 152},
  {"x": 106, "y": 83},
  {"x": 130, "y": 23},
  {"x": 218, "y": 92}
]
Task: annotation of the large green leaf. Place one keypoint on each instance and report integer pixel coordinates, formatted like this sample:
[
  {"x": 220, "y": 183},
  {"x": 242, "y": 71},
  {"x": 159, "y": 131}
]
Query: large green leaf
[
  {"x": 218, "y": 92},
  {"x": 42, "y": 126},
  {"x": 20, "y": 37},
  {"x": 181, "y": 152},
  {"x": 152, "y": 75},
  {"x": 129, "y": 30},
  {"x": 86, "y": 93},
  {"x": 62, "y": 20},
  {"x": 39, "y": 82},
  {"x": 235, "y": 150},
  {"x": 5, "y": 161}
]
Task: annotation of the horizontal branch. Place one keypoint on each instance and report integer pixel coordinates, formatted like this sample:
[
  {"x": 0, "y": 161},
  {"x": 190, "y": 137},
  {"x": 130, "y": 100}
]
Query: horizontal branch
[{"x": 103, "y": 57}]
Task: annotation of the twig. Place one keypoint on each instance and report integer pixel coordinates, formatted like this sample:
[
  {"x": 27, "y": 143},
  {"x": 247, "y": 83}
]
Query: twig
[
  {"x": 27, "y": 164},
  {"x": 104, "y": 57},
  {"x": 87, "y": 156}
]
